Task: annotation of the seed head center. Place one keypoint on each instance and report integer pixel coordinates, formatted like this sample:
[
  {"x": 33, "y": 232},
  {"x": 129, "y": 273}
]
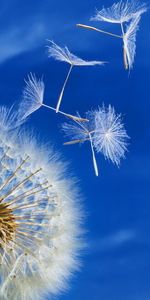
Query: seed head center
[{"x": 7, "y": 225}]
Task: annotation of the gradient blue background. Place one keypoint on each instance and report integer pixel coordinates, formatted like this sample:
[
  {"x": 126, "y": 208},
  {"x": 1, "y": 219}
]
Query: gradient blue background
[{"x": 116, "y": 264}]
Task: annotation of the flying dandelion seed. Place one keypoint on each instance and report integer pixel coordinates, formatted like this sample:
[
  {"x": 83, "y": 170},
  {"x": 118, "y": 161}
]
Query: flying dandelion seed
[
  {"x": 33, "y": 97},
  {"x": 109, "y": 136},
  {"x": 64, "y": 55},
  {"x": 122, "y": 13},
  {"x": 80, "y": 133},
  {"x": 39, "y": 220},
  {"x": 105, "y": 132},
  {"x": 129, "y": 41}
]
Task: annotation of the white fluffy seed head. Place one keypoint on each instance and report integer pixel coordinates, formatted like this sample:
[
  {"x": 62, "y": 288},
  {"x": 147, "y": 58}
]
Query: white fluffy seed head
[
  {"x": 120, "y": 12},
  {"x": 110, "y": 137},
  {"x": 64, "y": 55},
  {"x": 39, "y": 220},
  {"x": 33, "y": 96}
]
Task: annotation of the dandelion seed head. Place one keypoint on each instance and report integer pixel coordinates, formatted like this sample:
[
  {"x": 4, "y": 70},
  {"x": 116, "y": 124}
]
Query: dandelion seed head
[
  {"x": 64, "y": 55},
  {"x": 110, "y": 137},
  {"x": 33, "y": 96},
  {"x": 39, "y": 220},
  {"x": 120, "y": 12}
]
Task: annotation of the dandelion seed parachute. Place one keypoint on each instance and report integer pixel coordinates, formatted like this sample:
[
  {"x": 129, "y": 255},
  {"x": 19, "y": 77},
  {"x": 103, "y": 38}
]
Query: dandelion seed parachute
[
  {"x": 33, "y": 96},
  {"x": 32, "y": 100},
  {"x": 105, "y": 132},
  {"x": 120, "y": 12},
  {"x": 39, "y": 220},
  {"x": 128, "y": 15},
  {"x": 130, "y": 41},
  {"x": 123, "y": 12},
  {"x": 64, "y": 55},
  {"x": 110, "y": 137}
]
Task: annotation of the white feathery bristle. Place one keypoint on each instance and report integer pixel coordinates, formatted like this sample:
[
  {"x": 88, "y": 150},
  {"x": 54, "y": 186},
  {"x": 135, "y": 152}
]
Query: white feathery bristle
[
  {"x": 33, "y": 96},
  {"x": 79, "y": 133},
  {"x": 40, "y": 233},
  {"x": 9, "y": 118},
  {"x": 64, "y": 55},
  {"x": 75, "y": 130},
  {"x": 110, "y": 137},
  {"x": 130, "y": 40},
  {"x": 120, "y": 12}
]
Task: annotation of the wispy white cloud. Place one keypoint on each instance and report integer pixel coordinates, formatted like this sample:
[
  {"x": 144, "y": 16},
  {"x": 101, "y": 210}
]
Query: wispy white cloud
[
  {"x": 27, "y": 29},
  {"x": 20, "y": 39},
  {"x": 115, "y": 240}
]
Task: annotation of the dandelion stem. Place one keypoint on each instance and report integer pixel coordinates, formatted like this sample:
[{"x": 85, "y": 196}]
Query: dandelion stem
[
  {"x": 63, "y": 88},
  {"x": 66, "y": 115},
  {"x": 99, "y": 30},
  {"x": 124, "y": 51},
  {"x": 93, "y": 156}
]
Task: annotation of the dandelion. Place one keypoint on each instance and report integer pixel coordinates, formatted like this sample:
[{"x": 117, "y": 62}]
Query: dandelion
[
  {"x": 110, "y": 137},
  {"x": 64, "y": 55},
  {"x": 104, "y": 131},
  {"x": 33, "y": 97},
  {"x": 129, "y": 41},
  {"x": 39, "y": 220},
  {"x": 120, "y": 13}
]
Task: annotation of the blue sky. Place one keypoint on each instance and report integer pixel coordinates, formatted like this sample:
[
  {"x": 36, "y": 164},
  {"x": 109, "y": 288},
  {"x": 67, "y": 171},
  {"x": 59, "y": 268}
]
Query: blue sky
[{"x": 116, "y": 264}]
